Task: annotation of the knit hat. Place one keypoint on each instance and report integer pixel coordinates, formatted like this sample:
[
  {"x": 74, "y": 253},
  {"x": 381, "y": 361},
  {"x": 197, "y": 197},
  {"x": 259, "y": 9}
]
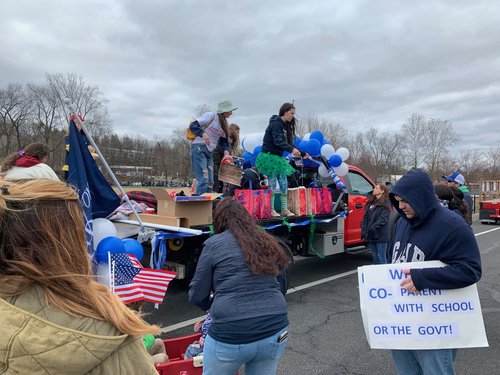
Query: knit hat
[
  {"x": 455, "y": 177},
  {"x": 225, "y": 106}
]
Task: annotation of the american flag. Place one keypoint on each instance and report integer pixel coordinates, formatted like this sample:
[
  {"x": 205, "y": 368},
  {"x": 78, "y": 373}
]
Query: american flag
[{"x": 132, "y": 282}]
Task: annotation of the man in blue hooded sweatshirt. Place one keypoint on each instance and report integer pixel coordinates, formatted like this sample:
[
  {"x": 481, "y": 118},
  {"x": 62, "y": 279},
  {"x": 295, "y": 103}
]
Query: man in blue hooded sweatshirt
[{"x": 426, "y": 231}]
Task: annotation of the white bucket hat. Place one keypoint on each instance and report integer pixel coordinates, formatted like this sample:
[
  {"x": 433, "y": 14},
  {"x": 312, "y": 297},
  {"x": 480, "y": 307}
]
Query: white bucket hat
[{"x": 225, "y": 106}]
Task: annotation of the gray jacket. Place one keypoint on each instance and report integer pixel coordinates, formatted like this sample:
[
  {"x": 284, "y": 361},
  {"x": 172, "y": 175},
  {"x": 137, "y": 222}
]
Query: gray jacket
[{"x": 238, "y": 293}]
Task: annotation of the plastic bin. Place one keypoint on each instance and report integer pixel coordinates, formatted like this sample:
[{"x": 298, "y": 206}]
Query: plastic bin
[
  {"x": 175, "y": 350},
  {"x": 178, "y": 365}
]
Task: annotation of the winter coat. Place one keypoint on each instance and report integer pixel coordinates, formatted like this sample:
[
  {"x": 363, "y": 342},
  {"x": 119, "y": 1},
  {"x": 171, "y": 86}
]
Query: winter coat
[
  {"x": 436, "y": 233},
  {"x": 35, "y": 172},
  {"x": 238, "y": 293},
  {"x": 275, "y": 140},
  {"x": 38, "y": 338},
  {"x": 375, "y": 224}
]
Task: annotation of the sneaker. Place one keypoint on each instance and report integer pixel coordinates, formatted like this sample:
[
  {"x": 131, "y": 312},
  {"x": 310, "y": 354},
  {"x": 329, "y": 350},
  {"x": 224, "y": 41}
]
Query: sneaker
[
  {"x": 274, "y": 214},
  {"x": 287, "y": 212}
]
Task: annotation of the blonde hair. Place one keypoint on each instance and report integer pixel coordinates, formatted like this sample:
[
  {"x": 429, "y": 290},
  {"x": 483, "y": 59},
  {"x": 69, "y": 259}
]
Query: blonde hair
[
  {"x": 234, "y": 134},
  {"x": 42, "y": 242}
]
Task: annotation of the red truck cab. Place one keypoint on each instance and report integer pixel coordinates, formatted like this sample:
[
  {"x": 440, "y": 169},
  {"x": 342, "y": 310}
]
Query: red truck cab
[{"x": 359, "y": 185}]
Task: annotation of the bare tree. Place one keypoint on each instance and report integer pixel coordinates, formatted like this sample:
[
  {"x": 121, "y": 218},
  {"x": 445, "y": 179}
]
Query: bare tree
[
  {"x": 201, "y": 109},
  {"x": 336, "y": 134},
  {"x": 493, "y": 161},
  {"x": 414, "y": 136},
  {"x": 471, "y": 163},
  {"x": 88, "y": 100},
  {"x": 14, "y": 115},
  {"x": 439, "y": 137}
]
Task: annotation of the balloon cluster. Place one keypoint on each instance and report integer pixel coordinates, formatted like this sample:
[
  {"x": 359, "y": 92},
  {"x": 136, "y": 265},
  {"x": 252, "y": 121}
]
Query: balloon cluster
[
  {"x": 105, "y": 241},
  {"x": 313, "y": 143}
]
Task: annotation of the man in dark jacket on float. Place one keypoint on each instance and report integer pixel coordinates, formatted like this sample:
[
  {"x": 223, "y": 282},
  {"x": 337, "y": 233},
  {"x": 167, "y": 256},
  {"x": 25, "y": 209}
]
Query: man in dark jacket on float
[
  {"x": 458, "y": 180},
  {"x": 426, "y": 231}
]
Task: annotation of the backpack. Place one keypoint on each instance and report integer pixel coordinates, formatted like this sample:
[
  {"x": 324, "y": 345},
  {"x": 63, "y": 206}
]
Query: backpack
[{"x": 190, "y": 135}]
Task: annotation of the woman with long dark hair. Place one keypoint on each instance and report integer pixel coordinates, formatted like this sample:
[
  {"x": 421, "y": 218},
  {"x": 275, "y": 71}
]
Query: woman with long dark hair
[
  {"x": 279, "y": 137},
  {"x": 375, "y": 224},
  {"x": 453, "y": 198},
  {"x": 56, "y": 318},
  {"x": 237, "y": 279}
]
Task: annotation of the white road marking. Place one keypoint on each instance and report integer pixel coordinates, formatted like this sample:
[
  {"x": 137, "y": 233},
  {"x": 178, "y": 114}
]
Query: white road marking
[{"x": 186, "y": 323}]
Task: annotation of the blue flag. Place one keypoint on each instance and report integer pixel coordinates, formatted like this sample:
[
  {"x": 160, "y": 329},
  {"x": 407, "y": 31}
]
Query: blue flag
[{"x": 98, "y": 199}]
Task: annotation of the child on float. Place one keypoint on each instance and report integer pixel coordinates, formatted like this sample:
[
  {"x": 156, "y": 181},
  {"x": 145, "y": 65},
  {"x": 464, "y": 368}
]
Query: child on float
[{"x": 279, "y": 137}]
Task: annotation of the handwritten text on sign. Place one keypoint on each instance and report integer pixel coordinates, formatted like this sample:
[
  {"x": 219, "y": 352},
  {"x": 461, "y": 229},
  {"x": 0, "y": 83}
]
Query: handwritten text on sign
[{"x": 395, "y": 318}]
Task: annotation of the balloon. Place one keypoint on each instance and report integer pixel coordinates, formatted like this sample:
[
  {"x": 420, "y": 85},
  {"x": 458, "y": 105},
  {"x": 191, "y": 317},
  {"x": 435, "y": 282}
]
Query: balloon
[
  {"x": 303, "y": 146},
  {"x": 247, "y": 155},
  {"x": 252, "y": 162},
  {"x": 297, "y": 141},
  {"x": 251, "y": 141},
  {"x": 256, "y": 150},
  {"x": 112, "y": 245},
  {"x": 325, "y": 142},
  {"x": 313, "y": 147},
  {"x": 344, "y": 153},
  {"x": 102, "y": 274},
  {"x": 316, "y": 134},
  {"x": 323, "y": 172},
  {"x": 342, "y": 170},
  {"x": 327, "y": 151},
  {"x": 102, "y": 228},
  {"x": 133, "y": 247},
  {"x": 306, "y": 137},
  {"x": 335, "y": 160}
]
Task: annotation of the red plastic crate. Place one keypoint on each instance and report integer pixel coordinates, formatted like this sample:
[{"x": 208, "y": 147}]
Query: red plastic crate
[{"x": 175, "y": 350}]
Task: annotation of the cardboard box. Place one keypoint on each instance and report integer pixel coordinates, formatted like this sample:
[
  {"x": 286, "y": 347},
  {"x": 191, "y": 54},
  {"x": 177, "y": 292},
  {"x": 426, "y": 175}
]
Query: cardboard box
[
  {"x": 198, "y": 210},
  {"x": 165, "y": 220}
]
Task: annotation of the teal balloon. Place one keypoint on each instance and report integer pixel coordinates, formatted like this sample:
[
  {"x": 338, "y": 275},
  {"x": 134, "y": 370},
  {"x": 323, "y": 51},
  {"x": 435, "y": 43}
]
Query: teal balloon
[
  {"x": 113, "y": 245},
  {"x": 133, "y": 247}
]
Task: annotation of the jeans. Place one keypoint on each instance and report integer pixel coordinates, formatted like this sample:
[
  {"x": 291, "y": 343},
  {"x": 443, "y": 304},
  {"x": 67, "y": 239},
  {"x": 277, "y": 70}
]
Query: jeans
[
  {"x": 203, "y": 168},
  {"x": 379, "y": 252},
  {"x": 259, "y": 357},
  {"x": 424, "y": 362}
]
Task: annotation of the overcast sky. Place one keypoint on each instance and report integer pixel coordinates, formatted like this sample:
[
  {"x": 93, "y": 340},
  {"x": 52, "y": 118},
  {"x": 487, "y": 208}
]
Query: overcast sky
[{"x": 358, "y": 63}]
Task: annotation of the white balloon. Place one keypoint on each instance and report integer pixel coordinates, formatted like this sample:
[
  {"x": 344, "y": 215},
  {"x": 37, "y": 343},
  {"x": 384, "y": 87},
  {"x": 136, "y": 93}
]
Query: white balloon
[
  {"x": 344, "y": 153},
  {"x": 102, "y": 228},
  {"x": 251, "y": 141},
  {"x": 342, "y": 169},
  {"x": 306, "y": 137},
  {"x": 102, "y": 274},
  {"x": 323, "y": 172},
  {"x": 327, "y": 151}
]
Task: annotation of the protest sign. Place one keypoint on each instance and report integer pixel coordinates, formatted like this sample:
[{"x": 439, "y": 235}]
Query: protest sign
[{"x": 394, "y": 318}]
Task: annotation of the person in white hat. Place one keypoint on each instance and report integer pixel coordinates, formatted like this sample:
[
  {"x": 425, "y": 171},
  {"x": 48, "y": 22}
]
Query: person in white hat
[
  {"x": 458, "y": 180},
  {"x": 210, "y": 128}
]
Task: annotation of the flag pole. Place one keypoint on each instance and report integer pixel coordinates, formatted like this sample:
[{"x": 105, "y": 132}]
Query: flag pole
[
  {"x": 111, "y": 283},
  {"x": 143, "y": 232}
]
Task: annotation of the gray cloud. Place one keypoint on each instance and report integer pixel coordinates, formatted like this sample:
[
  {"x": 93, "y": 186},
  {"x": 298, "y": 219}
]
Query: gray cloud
[{"x": 357, "y": 63}]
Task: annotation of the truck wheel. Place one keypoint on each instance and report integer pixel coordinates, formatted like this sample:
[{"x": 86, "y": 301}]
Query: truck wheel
[{"x": 288, "y": 271}]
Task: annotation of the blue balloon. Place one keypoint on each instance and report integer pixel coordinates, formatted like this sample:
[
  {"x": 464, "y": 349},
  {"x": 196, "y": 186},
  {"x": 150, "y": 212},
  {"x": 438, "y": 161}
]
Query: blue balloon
[
  {"x": 316, "y": 134},
  {"x": 257, "y": 150},
  {"x": 303, "y": 146},
  {"x": 112, "y": 245},
  {"x": 133, "y": 247},
  {"x": 247, "y": 155},
  {"x": 325, "y": 142},
  {"x": 297, "y": 141},
  {"x": 310, "y": 164},
  {"x": 313, "y": 147},
  {"x": 335, "y": 160},
  {"x": 252, "y": 161}
]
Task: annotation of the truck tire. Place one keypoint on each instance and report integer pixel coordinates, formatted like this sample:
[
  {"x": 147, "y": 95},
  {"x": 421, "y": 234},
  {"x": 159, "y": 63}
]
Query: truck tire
[{"x": 288, "y": 271}]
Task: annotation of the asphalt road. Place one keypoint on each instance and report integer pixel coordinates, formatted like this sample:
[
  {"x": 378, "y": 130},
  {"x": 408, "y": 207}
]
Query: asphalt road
[{"x": 326, "y": 330}]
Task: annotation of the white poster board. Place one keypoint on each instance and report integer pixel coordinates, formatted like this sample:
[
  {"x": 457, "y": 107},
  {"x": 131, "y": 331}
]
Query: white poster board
[{"x": 394, "y": 318}]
